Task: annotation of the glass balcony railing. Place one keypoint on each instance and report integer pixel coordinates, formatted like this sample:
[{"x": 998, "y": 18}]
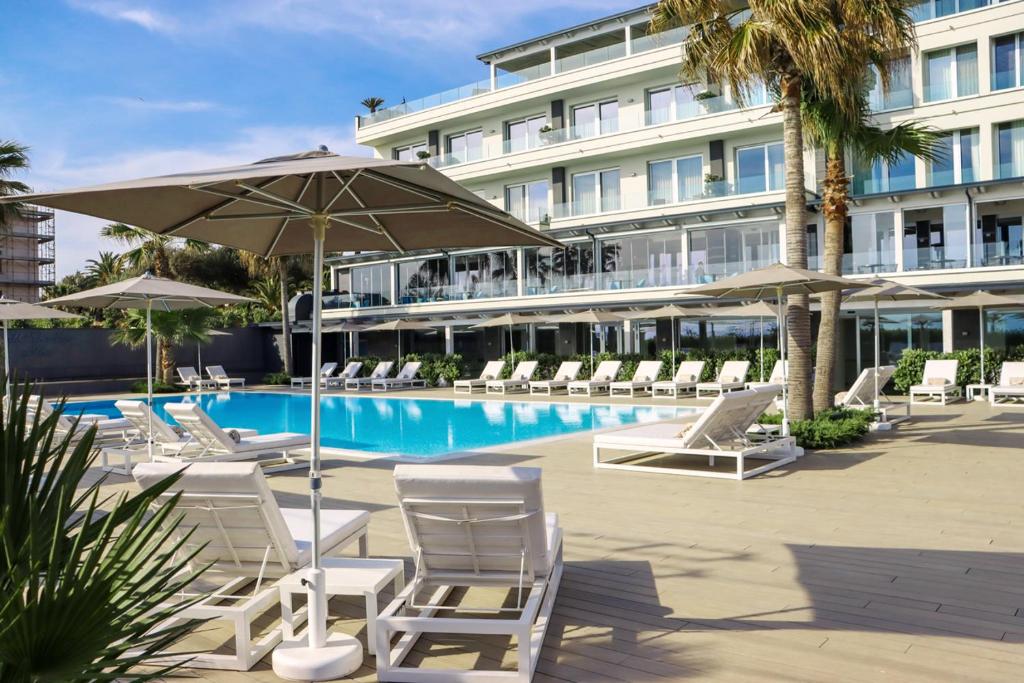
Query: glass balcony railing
[
  {"x": 1004, "y": 253},
  {"x": 643, "y": 277},
  {"x": 590, "y": 57},
  {"x": 555, "y": 284},
  {"x": 456, "y": 158},
  {"x": 894, "y": 183},
  {"x": 653, "y": 41},
  {"x": 559, "y": 135},
  {"x": 1010, "y": 169},
  {"x": 899, "y": 98},
  {"x": 688, "y": 110},
  {"x": 935, "y": 9},
  {"x": 479, "y": 290},
  {"x": 869, "y": 262},
  {"x": 428, "y": 102},
  {"x": 530, "y": 73},
  {"x": 587, "y": 207}
]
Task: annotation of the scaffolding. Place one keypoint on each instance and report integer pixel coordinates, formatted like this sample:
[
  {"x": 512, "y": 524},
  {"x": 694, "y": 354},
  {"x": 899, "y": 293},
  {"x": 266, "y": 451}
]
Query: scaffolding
[{"x": 27, "y": 254}]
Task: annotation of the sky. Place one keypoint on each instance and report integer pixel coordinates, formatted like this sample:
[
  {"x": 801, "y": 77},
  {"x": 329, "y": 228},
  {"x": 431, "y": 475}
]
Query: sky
[{"x": 104, "y": 90}]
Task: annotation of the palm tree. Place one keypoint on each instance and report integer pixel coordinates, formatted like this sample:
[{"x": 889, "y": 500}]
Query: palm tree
[
  {"x": 147, "y": 251},
  {"x": 170, "y": 328},
  {"x": 13, "y": 158},
  {"x": 372, "y": 104},
  {"x": 275, "y": 267},
  {"x": 838, "y": 132},
  {"x": 784, "y": 43},
  {"x": 104, "y": 270}
]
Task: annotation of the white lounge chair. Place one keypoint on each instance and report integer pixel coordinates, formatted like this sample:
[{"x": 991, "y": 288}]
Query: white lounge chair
[
  {"x": 192, "y": 380},
  {"x": 728, "y": 428},
  {"x": 731, "y": 377},
  {"x": 350, "y": 371},
  {"x": 491, "y": 371},
  {"x": 234, "y": 524},
  {"x": 518, "y": 381},
  {"x": 604, "y": 375},
  {"x": 1010, "y": 390},
  {"x": 220, "y": 376},
  {"x": 567, "y": 372},
  {"x": 216, "y": 444},
  {"x": 108, "y": 430},
  {"x": 685, "y": 381},
  {"x": 861, "y": 394},
  {"x": 380, "y": 372},
  {"x": 646, "y": 374},
  {"x": 938, "y": 382},
  {"x": 777, "y": 377},
  {"x": 326, "y": 370},
  {"x": 405, "y": 379},
  {"x": 467, "y": 527},
  {"x": 166, "y": 439}
]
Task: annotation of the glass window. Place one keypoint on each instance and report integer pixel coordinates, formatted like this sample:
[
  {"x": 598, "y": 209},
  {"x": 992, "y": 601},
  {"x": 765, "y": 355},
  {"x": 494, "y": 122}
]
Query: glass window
[
  {"x": 760, "y": 168},
  {"x": 882, "y": 176},
  {"x": 463, "y": 147},
  {"x": 595, "y": 192},
  {"x": 550, "y": 270},
  {"x": 1010, "y": 142},
  {"x": 675, "y": 103},
  {"x": 935, "y": 238},
  {"x": 675, "y": 180},
  {"x": 950, "y": 73},
  {"x": 597, "y": 118},
  {"x": 410, "y": 152},
  {"x": 659, "y": 106},
  {"x": 528, "y": 201},
  {"x": 869, "y": 243},
  {"x": 999, "y": 233},
  {"x": 484, "y": 275},
  {"x": 642, "y": 261},
  {"x": 523, "y": 133},
  {"x": 423, "y": 280},
  {"x": 722, "y": 252},
  {"x": 1006, "y": 61},
  {"x": 899, "y": 94},
  {"x": 371, "y": 285},
  {"x": 957, "y": 158},
  {"x": 933, "y": 9}
]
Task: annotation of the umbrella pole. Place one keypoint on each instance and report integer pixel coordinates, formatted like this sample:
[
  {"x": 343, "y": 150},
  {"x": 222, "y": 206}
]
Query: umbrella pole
[
  {"x": 593, "y": 331},
  {"x": 149, "y": 378},
  {"x": 981, "y": 339},
  {"x": 783, "y": 304},
  {"x": 761, "y": 360},
  {"x": 7, "y": 366},
  {"x": 672, "y": 320},
  {"x": 878, "y": 354},
  {"x": 199, "y": 355}
]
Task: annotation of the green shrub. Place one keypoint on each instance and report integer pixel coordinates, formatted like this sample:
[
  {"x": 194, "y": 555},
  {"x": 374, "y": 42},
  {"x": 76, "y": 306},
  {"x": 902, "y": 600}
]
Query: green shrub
[
  {"x": 369, "y": 363},
  {"x": 159, "y": 387},
  {"x": 910, "y": 366},
  {"x": 277, "y": 378},
  {"x": 828, "y": 429},
  {"x": 437, "y": 366}
]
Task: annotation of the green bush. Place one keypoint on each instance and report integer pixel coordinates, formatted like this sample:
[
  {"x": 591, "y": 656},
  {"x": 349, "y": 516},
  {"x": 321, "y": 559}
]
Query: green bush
[
  {"x": 159, "y": 387},
  {"x": 369, "y": 363},
  {"x": 828, "y": 429},
  {"x": 910, "y": 366},
  {"x": 436, "y": 366},
  {"x": 277, "y": 378}
]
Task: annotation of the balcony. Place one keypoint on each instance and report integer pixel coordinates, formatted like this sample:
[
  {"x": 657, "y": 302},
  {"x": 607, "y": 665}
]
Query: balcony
[
  {"x": 456, "y": 158},
  {"x": 557, "y": 136},
  {"x": 700, "y": 106},
  {"x": 897, "y": 98},
  {"x": 463, "y": 292}
]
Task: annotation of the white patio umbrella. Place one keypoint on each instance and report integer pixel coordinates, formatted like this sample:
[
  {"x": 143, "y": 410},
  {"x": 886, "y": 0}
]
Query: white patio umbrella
[
  {"x": 592, "y": 318},
  {"x": 199, "y": 348},
  {"x": 511, "y": 320},
  {"x": 759, "y": 310},
  {"x": 886, "y": 290},
  {"x": 147, "y": 292},
  {"x": 11, "y": 309},
  {"x": 776, "y": 281},
  {"x": 981, "y": 300},
  {"x": 671, "y": 312},
  {"x": 397, "y": 326},
  {"x": 301, "y": 204}
]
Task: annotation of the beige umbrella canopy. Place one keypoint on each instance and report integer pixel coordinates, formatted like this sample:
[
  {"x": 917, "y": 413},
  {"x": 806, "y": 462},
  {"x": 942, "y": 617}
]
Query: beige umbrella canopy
[
  {"x": 877, "y": 290},
  {"x": 672, "y": 312},
  {"x": 304, "y": 204},
  {"x": 19, "y": 310},
  {"x": 592, "y": 318},
  {"x": 509, "y": 319},
  {"x": 757, "y": 309},
  {"x": 397, "y": 326},
  {"x": 981, "y": 300}
]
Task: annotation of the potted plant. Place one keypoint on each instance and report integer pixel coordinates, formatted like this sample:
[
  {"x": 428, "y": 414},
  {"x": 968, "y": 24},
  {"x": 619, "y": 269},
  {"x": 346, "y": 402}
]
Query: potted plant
[
  {"x": 372, "y": 104},
  {"x": 713, "y": 186},
  {"x": 423, "y": 154},
  {"x": 705, "y": 99},
  {"x": 546, "y": 133}
]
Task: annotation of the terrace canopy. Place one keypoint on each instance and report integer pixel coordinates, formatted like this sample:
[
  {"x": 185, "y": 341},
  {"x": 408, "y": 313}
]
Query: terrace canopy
[
  {"x": 981, "y": 300},
  {"x": 19, "y": 310},
  {"x": 301, "y": 204}
]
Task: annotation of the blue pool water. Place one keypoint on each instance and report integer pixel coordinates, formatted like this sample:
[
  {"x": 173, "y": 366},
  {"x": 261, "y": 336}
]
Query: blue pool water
[{"x": 421, "y": 428}]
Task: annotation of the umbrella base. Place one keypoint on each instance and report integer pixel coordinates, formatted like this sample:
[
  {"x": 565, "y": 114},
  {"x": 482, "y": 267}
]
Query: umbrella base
[
  {"x": 881, "y": 426},
  {"x": 293, "y": 660}
]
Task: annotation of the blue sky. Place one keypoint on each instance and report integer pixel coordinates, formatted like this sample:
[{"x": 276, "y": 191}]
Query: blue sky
[{"x": 103, "y": 90}]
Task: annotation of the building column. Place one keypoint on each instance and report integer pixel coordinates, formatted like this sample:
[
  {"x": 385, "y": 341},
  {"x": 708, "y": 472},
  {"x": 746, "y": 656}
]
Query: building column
[
  {"x": 947, "y": 331},
  {"x": 627, "y": 336},
  {"x": 494, "y": 76},
  {"x": 552, "y": 52},
  {"x": 353, "y": 343},
  {"x": 520, "y": 271},
  {"x": 782, "y": 241},
  {"x": 531, "y": 336},
  {"x": 449, "y": 340},
  {"x": 629, "y": 40},
  {"x": 897, "y": 227}
]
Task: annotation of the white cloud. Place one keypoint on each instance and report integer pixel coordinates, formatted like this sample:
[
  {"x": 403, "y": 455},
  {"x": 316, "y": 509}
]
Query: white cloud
[
  {"x": 162, "y": 105},
  {"x": 118, "y": 10},
  {"x": 78, "y": 236}
]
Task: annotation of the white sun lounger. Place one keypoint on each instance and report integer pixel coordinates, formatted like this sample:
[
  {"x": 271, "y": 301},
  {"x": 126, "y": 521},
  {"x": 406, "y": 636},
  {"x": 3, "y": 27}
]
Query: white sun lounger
[
  {"x": 234, "y": 524},
  {"x": 728, "y": 428},
  {"x": 686, "y": 379},
  {"x": 405, "y": 379},
  {"x": 108, "y": 430},
  {"x": 165, "y": 438},
  {"x": 490, "y": 371},
  {"x": 219, "y": 375},
  {"x": 604, "y": 375},
  {"x": 519, "y": 381},
  {"x": 350, "y": 371},
  {"x": 326, "y": 370},
  {"x": 192, "y": 380},
  {"x": 472, "y": 526},
  {"x": 861, "y": 394},
  {"x": 379, "y": 372},
  {"x": 567, "y": 372},
  {"x": 217, "y": 445},
  {"x": 1010, "y": 391},
  {"x": 730, "y": 378},
  {"x": 646, "y": 374},
  {"x": 777, "y": 377},
  {"x": 938, "y": 382}
]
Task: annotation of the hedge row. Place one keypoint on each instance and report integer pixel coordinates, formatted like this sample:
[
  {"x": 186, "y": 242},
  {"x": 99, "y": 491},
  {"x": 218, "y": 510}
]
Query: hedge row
[{"x": 910, "y": 367}]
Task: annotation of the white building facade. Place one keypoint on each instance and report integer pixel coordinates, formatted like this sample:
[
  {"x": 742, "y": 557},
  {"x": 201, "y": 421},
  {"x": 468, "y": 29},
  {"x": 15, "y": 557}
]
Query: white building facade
[{"x": 655, "y": 185}]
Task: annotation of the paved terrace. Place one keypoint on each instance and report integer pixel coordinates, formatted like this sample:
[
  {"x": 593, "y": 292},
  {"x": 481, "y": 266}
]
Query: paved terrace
[{"x": 901, "y": 559}]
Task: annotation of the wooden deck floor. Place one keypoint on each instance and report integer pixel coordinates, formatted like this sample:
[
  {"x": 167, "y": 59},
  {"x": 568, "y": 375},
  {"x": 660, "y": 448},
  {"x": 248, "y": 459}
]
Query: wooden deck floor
[{"x": 901, "y": 559}]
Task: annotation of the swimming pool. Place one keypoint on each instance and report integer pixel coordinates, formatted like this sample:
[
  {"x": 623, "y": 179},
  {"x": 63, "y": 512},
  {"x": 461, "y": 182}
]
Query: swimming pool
[{"x": 419, "y": 428}]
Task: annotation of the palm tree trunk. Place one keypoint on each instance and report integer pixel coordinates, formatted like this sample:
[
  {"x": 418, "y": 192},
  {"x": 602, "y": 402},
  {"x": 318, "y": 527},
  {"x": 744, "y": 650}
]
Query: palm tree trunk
[
  {"x": 166, "y": 355},
  {"x": 798, "y": 319},
  {"x": 834, "y": 207},
  {"x": 286, "y": 327},
  {"x": 161, "y": 264}
]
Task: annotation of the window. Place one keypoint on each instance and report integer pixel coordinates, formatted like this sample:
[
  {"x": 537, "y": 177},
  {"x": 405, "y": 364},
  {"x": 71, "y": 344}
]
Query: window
[
  {"x": 760, "y": 168},
  {"x": 933, "y": 9},
  {"x": 483, "y": 275},
  {"x": 950, "y": 73},
  {"x": 550, "y": 270},
  {"x": 642, "y": 261},
  {"x": 595, "y": 192},
  {"x": 593, "y": 119},
  {"x": 528, "y": 201},
  {"x": 409, "y": 152},
  {"x": 958, "y": 157},
  {"x": 371, "y": 285},
  {"x": 813, "y": 250},
  {"x": 675, "y": 103},
  {"x": 1007, "y": 61},
  {"x": 869, "y": 243},
  {"x": 463, "y": 147},
  {"x": 883, "y": 176},
  {"x": 999, "y": 233},
  {"x": 423, "y": 280},
  {"x": 675, "y": 180},
  {"x": 722, "y": 252},
  {"x": 899, "y": 94},
  {"x": 935, "y": 238},
  {"x": 1010, "y": 142},
  {"x": 524, "y": 133}
]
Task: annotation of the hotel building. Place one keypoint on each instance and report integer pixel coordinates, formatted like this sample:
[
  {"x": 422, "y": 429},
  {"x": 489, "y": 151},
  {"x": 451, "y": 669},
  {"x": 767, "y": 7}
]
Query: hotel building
[{"x": 655, "y": 185}]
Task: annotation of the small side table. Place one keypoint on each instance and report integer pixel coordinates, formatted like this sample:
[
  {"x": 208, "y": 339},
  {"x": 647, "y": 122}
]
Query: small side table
[
  {"x": 977, "y": 392},
  {"x": 346, "y": 576}
]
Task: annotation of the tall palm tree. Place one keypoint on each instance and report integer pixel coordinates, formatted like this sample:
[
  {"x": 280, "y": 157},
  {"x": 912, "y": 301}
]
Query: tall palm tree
[
  {"x": 275, "y": 267},
  {"x": 837, "y": 133},
  {"x": 13, "y": 158},
  {"x": 783, "y": 43},
  {"x": 147, "y": 251},
  {"x": 104, "y": 270},
  {"x": 170, "y": 328}
]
